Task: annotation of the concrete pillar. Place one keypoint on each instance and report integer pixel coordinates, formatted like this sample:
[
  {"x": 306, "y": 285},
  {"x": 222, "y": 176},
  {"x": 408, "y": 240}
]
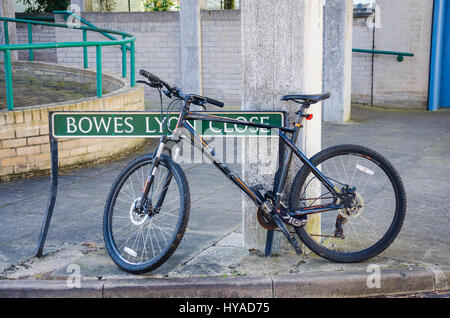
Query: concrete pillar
[
  {"x": 191, "y": 50},
  {"x": 337, "y": 73},
  {"x": 282, "y": 48},
  {"x": 7, "y": 10}
]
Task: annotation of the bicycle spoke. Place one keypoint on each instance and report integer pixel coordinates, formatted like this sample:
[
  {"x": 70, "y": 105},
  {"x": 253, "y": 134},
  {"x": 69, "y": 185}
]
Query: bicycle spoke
[
  {"x": 140, "y": 238},
  {"x": 360, "y": 229}
]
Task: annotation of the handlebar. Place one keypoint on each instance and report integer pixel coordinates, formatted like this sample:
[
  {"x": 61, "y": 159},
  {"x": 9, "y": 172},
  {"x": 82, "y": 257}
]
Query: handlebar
[
  {"x": 208, "y": 100},
  {"x": 150, "y": 76},
  {"x": 156, "y": 82}
]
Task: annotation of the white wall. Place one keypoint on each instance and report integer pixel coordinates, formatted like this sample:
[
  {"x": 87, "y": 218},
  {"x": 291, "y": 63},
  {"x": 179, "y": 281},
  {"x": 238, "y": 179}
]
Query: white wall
[{"x": 405, "y": 27}]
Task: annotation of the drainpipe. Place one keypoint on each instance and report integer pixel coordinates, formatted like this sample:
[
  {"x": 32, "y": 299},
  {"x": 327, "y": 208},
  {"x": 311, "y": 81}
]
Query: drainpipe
[{"x": 436, "y": 55}]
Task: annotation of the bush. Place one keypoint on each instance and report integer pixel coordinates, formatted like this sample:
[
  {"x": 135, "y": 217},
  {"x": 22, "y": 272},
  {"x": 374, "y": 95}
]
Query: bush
[
  {"x": 158, "y": 5},
  {"x": 45, "y": 6}
]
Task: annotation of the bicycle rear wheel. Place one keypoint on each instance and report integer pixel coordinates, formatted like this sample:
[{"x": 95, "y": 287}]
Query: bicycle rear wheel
[
  {"x": 353, "y": 234},
  {"x": 139, "y": 242}
]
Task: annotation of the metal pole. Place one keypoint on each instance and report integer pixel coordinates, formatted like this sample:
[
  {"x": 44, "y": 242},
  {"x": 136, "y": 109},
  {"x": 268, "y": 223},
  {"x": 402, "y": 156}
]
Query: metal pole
[
  {"x": 269, "y": 243},
  {"x": 99, "y": 71},
  {"x": 53, "y": 189},
  {"x": 30, "y": 40},
  {"x": 5, "y": 29},
  {"x": 8, "y": 80},
  {"x": 437, "y": 55},
  {"x": 124, "y": 60},
  {"x": 85, "y": 50},
  {"x": 132, "y": 65}
]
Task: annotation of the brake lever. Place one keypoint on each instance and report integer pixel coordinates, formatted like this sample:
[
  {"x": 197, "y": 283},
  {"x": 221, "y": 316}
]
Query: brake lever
[
  {"x": 168, "y": 94},
  {"x": 202, "y": 104}
]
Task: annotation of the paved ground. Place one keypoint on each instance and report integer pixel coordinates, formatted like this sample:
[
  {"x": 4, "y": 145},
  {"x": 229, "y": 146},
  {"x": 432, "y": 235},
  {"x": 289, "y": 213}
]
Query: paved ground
[
  {"x": 29, "y": 94},
  {"x": 418, "y": 143}
]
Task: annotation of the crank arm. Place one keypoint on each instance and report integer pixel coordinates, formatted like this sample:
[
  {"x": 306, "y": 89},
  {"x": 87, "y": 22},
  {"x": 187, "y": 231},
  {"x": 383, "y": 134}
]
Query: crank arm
[{"x": 287, "y": 234}]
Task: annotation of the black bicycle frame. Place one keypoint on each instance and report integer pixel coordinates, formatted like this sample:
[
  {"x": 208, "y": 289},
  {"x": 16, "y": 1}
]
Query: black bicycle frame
[{"x": 197, "y": 141}]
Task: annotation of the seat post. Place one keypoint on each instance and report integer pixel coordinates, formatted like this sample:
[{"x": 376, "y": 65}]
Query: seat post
[{"x": 300, "y": 113}]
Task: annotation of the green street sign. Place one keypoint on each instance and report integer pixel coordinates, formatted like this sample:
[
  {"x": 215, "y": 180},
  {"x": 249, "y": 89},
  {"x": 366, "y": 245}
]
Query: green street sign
[{"x": 151, "y": 124}]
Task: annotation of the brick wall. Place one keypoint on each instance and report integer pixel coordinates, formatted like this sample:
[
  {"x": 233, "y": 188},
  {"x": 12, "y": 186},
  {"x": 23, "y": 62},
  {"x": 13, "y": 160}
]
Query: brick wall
[
  {"x": 405, "y": 27},
  {"x": 24, "y": 141},
  {"x": 157, "y": 44},
  {"x": 221, "y": 56},
  {"x": 362, "y": 63},
  {"x": 158, "y": 49},
  {"x": 41, "y": 34}
]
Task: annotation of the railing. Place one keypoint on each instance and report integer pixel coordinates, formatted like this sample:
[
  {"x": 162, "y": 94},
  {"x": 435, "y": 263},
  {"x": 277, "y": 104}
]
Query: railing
[
  {"x": 125, "y": 47},
  {"x": 127, "y": 42},
  {"x": 400, "y": 55}
]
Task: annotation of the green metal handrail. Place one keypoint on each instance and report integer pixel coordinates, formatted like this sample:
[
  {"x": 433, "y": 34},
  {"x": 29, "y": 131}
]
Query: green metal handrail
[
  {"x": 123, "y": 43},
  {"x": 67, "y": 14},
  {"x": 400, "y": 55}
]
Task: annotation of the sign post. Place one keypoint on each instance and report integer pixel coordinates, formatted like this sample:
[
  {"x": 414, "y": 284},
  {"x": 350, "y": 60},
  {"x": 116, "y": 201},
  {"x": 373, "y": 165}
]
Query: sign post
[{"x": 138, "y": 125}]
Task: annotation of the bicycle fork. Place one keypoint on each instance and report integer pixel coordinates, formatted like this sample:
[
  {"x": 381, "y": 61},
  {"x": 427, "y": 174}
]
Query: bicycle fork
[{"x": 151, "y": 178}]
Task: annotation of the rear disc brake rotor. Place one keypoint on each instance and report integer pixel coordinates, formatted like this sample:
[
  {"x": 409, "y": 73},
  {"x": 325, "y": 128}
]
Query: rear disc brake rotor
[{"x": 356, "y": 210}]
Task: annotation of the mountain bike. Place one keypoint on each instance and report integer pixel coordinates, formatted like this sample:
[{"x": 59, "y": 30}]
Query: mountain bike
[{"x": 358, "y": 193}]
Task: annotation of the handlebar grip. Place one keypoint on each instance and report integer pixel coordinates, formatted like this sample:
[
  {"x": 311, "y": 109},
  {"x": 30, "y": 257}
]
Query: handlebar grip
[
  {"x": 149, "y": 75},
  {"x": 214, "y": 102}
]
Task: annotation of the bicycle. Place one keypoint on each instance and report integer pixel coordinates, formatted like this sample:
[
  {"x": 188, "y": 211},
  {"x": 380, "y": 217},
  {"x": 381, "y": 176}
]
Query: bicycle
[{"x": 351, "y": 187}]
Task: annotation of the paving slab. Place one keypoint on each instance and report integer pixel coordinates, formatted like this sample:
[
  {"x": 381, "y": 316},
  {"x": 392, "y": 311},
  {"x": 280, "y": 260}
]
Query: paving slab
[{"x": 211, "y": 260}]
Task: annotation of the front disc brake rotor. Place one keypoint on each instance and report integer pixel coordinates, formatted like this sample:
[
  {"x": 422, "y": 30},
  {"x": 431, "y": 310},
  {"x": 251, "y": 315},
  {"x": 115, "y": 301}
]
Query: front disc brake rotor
[{"x": 136, "y": 218}]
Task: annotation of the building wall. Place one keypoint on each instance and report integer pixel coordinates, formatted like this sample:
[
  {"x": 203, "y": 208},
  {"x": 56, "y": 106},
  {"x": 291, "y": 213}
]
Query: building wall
[
  {"x": 41, "y": 34},
  {"x": 362, "y": 63},
  {"x": 158, "y": 49},
  {"x": 406, "y": 27},
  {"x": 157, "y": 44},
  {"x": 221, "y": 55}
]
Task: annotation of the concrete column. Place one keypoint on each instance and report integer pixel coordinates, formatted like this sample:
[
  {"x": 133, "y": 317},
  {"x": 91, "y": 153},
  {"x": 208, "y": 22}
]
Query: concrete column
[
  {"x": 7, "y": 10},
  {"x": 338, "y": 27},
  {"x": 282, "y": 48},
  {"x": 191, "y": 51}
]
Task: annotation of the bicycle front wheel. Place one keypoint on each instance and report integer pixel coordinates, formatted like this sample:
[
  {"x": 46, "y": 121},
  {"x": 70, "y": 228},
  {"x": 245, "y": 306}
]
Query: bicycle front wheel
[
  {"x": 375, "y": 217},
  {"x": 140, "y": 241}
]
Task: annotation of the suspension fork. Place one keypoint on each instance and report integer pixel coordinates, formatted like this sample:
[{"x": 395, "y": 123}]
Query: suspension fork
[
  {"x": 156, "y": 162},
  {"x": 162, "y": 195}
]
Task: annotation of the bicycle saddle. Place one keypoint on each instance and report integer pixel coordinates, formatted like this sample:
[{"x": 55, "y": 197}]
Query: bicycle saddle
[{"x": 311, "y": 99}]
